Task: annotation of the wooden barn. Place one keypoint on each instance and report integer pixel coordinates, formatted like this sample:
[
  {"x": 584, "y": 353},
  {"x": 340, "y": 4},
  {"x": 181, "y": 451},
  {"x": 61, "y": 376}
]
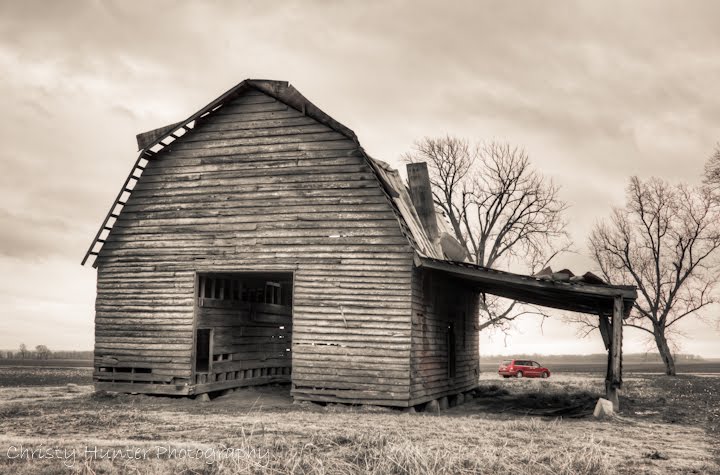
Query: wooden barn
[{"x": 256, "y": 242}]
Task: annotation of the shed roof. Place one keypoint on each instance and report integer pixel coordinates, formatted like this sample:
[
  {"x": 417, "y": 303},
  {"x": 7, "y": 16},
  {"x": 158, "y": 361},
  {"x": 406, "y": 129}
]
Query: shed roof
[{"x": 574, "y": 296}]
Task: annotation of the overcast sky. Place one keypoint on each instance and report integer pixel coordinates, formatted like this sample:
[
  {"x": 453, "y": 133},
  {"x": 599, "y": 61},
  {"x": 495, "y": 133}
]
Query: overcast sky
[{"x": 595, "y": 92}]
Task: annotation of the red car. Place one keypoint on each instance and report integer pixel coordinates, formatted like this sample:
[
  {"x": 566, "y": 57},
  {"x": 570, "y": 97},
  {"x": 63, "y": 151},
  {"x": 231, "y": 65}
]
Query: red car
[{"x": 523, "y": 369}]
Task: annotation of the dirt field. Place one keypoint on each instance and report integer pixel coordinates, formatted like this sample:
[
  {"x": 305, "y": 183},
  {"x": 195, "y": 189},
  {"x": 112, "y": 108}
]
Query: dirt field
[
  {"x": 667, "y": 425},
  {"x": 22, "y": 376},
  {"x": 50, "y": 363}
]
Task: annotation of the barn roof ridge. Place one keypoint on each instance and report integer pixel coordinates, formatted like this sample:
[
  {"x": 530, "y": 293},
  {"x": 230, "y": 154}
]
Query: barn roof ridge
[{"x": 154, "y": 141}]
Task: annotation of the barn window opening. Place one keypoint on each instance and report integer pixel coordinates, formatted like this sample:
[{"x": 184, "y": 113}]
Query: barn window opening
[
  {"x": 273, "y": 293},
  {"x": 123, "y": 369},
  {"x": 123, "y": 374},
  {"x": 203, "y": 350},
  {"x": 233, "y": 289}
]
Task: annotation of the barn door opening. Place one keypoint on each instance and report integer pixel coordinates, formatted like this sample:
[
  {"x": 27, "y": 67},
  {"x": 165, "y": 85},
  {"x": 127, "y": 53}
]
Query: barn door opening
[
  {"x": 243, "y": 329},
  {"x": 203, "y": 350}
]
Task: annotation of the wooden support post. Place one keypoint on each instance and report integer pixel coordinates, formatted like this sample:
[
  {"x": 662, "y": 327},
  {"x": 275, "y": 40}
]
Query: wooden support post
[{"x": 613, "y": 381}]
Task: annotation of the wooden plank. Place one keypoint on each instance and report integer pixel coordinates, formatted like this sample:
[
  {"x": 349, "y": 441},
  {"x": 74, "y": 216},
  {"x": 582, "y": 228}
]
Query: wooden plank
[
  {"x": 239, "y": 383},
  {"x": 235, "y": 119},
  {"x": 250, "y": 206},
  {"x": 244, "y": 108},
  {"x": 233, "y": 150},
  {"x": 215, "y": 173},
  {"x": 604, "y": 326},
  {"x": 274, "y": 140},
  {"x": 311, "y": 186},
  {"x": 613, "y": 383},
  {"x": 166, "y": 389},
  {"x": 131, "y": 377},
  {"x": 171, "y": 163},
  {"x": 262, "y": 180},
  {"x": 347, "y": 394},
  {"x": 304, "y": 128},
  {"x": 324, "y": 382},
  {"x": 257, "y": 124}
]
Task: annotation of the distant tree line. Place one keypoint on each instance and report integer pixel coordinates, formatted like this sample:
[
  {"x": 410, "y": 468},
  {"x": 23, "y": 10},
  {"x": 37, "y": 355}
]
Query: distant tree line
[
  {"x": 594, "y": 358},
  {"x": 42, "y": 352}
]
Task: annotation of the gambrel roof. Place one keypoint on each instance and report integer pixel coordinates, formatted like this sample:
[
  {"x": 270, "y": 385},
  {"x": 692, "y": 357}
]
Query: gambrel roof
[{"x": 152, "y": 142}]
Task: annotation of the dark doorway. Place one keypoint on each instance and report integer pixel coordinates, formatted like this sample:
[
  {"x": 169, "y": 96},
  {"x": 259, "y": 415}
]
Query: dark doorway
[{"x": 203, "y": 350}]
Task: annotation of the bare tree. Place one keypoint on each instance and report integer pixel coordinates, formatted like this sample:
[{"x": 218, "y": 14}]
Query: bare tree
[
  {"x": 712, "y": 170},
  {"x": 23, "y": 351},
  {"x": 662, "y": 241},
  {"x": 500, "y": 209},
  {"x": 43, "y": 352}
]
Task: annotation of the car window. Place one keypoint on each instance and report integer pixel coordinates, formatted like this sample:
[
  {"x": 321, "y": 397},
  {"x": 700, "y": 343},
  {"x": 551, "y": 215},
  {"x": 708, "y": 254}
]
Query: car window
[
  {"x": 506, "y": 362},
  {"x": 536, "y": 364}
]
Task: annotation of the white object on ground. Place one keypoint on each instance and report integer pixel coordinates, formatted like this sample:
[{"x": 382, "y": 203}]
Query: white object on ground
[{"x": 603, "y": 409}]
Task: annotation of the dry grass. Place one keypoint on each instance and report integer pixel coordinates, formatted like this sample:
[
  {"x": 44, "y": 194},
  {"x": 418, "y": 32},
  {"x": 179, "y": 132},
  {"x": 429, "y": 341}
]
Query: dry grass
[
  {"x": 268, "y": 435},
  {"x": 347, "y": 447}
]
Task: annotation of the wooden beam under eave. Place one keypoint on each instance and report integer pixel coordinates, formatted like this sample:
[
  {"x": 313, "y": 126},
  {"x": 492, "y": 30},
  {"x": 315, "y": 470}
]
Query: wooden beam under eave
[{"x": 613, "y": 381}]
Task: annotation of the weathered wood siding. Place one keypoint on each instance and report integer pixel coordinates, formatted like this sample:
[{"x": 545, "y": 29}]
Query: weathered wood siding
[
  {"x": 440, "y": 301},
  {"x": 259, "y": 186},
  {"x": 143, "y": 322}
]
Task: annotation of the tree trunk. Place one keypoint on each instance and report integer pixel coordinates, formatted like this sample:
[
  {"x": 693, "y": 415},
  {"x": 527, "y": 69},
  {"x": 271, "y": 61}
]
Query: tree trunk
[{"x": 664, "y": 350}]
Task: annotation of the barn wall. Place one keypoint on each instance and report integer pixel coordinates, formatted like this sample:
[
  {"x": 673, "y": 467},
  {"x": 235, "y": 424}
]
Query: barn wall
[
  {"x": 143, "y": 327},
  {"x": 259, "y": 186},
  {"x": 438, "y": 301}
]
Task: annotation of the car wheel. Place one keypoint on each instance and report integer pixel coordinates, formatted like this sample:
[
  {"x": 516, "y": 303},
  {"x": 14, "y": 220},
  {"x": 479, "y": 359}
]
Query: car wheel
[
  {"x": 545, "y": 375},
  {"x": 519, "y": 374}
]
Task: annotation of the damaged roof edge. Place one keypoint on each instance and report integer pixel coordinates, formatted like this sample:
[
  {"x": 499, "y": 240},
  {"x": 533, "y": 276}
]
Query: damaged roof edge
[
  {"x": 283, "y": 91},
  {"x": 577, "y": 297},
  {"x": 162, "y": 133}
]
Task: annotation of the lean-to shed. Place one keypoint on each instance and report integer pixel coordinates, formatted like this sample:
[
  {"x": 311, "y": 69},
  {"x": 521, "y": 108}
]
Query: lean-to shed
[{"x": 257, "y": 242}]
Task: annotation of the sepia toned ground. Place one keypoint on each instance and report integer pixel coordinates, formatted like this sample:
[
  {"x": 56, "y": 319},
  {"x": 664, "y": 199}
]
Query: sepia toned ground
[{"x": 667, "y": 425}]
